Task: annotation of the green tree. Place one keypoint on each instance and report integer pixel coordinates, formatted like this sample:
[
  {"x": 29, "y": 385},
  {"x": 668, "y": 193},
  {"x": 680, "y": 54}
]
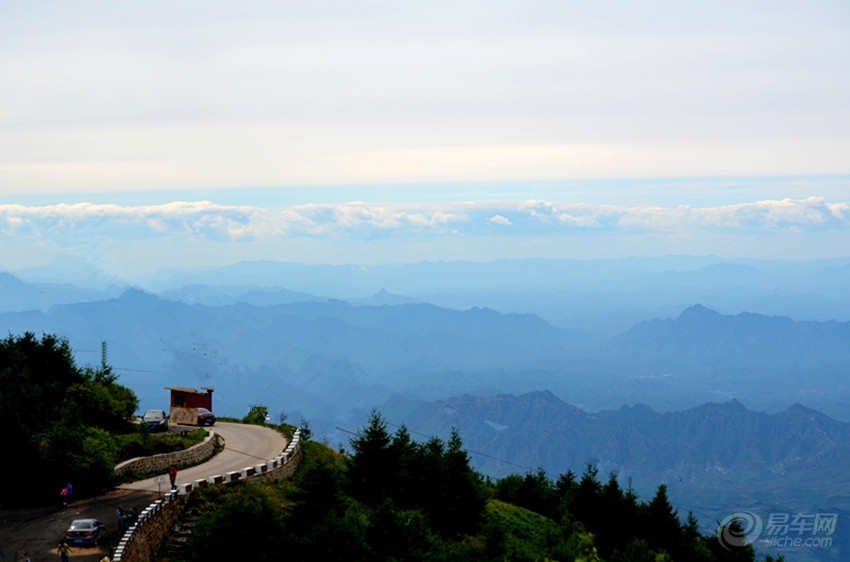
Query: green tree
[
  {"x": 637, "y": 550},
  {"x": 401, "y": 535},
  {"x": 248, "y": 524},
  {"x": 461, "y": 491},
  {"x": 372, "y": 468},
  {"x": 722, "y": 552},
  {"x": 661, "y": 525},
  {"x": 621, "y": 515},
  {"x": 256, "y": 415},
  {"x": 693, "y": 545},
  {"x": 324, "y": 523},
  {"x": 534, "y": 491},
  {"x": 57, "y": 417},
  {"x": 587, "y": 505}
]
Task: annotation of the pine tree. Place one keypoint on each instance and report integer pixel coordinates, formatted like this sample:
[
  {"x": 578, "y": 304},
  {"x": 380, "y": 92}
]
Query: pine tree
[
  {"x": 661, "y": 521},
  {"x": 371, "y": 470}
]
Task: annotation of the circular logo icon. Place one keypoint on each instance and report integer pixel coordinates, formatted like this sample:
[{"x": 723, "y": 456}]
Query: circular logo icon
[{"x": 739, "y": 529}]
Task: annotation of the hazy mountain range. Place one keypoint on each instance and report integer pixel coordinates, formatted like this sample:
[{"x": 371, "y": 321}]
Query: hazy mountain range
[
  {"x": 317, "y": 347},
  {"x": 720, "y": 365},
  {"x": 715, "y": 459},
  {"x": 604, "y": 296},
  {"x": 311, "y": 346}
]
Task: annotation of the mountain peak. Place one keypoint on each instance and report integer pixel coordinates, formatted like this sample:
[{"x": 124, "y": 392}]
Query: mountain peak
[
  {"x": 639, "y": 411},
  {"x": 384, "y": 297},
  {"x": 734, "y": 404},
  {"x": 699, "y": 312},
  {"x": 799, "y": 409},
  {"x": 136, "y": 295}
]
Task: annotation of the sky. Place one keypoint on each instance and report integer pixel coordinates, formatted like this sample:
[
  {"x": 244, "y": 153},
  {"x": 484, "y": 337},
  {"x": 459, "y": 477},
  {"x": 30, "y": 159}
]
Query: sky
[{"x": 140, "y": 135}]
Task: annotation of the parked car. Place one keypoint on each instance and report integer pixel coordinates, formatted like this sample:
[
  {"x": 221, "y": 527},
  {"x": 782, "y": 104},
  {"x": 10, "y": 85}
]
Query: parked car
[
  {"x": 156, "y": 420},
  {"x": 205, "y": 417},
  {"x": 85, "y": 531}
]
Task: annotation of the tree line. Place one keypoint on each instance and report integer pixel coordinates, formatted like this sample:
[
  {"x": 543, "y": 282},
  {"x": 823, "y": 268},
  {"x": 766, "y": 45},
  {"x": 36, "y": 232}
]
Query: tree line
[
  {"x": 395, "y": 499},
  {"x": 390, "y": 499},
  {"x": 58, "y": 419}
]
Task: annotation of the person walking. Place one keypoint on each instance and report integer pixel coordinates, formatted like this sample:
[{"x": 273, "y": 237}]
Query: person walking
[
  {"x": 130, "y": 517},
  {"x": 26, "y": 558},
  {"x": 172, "y": 475},
  {"x": 64, "y": 552}
]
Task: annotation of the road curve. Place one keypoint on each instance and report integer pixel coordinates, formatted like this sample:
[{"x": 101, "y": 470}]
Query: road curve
[
  {"x": 244, "y": 445},
  {"x": 39, "y": 529}
]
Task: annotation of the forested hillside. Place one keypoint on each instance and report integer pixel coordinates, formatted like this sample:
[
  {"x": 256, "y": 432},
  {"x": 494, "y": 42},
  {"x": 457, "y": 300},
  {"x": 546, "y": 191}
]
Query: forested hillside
[
  {"x": 395, "y": 499},
  {"x": 57, "y": 420}
]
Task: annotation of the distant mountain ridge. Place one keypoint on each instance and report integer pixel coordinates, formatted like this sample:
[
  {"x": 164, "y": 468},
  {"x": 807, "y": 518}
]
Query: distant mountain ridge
[
  {"x": 715, "y": 459},
  {"x": 18, "y": 296},
  {"x": 705, "y": 441},
  {"x": 447, "y": 363},
  {"x": 606, "y": 296},
  {"x": 702, "y": 334},
  {"x": 435, "y": 352}
]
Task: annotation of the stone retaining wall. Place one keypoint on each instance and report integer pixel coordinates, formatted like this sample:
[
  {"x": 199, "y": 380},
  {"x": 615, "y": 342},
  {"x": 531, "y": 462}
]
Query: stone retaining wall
[
  {"x": 142, "y": 541},
  {"x": 195, "y": 454}
]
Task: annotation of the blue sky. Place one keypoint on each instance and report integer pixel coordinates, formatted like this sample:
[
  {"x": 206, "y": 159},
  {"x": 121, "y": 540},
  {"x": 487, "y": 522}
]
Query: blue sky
[{"x": 377, "y": 131}]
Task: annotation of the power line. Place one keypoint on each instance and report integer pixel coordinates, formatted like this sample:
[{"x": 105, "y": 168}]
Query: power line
[{"x": 470, "y": 450}]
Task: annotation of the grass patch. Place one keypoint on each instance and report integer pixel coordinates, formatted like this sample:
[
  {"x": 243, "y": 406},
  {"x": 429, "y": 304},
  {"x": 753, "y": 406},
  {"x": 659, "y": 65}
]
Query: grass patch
[
  {"x": 218, "y": 447},
  {"x": 142, "y": 443},
  {"x": 524, "y": 535}
]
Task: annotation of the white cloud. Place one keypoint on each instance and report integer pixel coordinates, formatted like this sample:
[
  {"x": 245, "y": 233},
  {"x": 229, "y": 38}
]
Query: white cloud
[
  {"x": 204, "y": 220},
  {"x": 135, "y": 240}
]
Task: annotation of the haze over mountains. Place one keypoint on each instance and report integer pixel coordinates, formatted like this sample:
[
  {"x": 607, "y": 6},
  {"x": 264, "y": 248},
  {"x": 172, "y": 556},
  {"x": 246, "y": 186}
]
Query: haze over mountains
[
  {"x": 670, "y": 332},
  {"x": 606, "y": 295},
  {"x": 532, "y": 360},
  {"x": 714, "y": 458}
]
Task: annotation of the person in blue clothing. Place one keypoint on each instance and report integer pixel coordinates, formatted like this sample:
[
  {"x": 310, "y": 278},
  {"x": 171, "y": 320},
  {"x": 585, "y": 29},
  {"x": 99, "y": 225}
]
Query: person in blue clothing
[{"x": 67, "y": 494}]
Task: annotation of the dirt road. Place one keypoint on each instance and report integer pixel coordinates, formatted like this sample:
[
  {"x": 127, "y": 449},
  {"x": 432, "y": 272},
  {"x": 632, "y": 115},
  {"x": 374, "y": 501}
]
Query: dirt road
[{"x": 38, "y": 530}]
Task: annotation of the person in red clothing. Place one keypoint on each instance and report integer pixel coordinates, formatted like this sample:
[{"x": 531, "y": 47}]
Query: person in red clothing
[{"x": 172, "y": 475}]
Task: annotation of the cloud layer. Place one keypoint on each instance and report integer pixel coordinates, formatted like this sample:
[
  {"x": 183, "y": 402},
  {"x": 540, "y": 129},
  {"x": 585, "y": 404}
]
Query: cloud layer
[{"x": 203, "y": 220}]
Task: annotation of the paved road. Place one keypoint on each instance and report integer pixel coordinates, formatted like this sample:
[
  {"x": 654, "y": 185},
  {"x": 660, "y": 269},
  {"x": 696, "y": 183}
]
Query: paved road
[
  {"x": 38, "y": 530},
  {"x": 245, "y": 445}
]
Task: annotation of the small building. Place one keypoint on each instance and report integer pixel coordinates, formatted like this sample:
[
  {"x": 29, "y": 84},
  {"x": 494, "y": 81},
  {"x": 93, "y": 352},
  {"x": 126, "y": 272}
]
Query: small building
[{"x": 186, "y": 401}]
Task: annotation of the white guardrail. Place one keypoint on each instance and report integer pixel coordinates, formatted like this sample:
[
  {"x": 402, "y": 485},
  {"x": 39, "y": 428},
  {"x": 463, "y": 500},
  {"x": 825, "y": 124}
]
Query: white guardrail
[{"x": 184, "y": 489}]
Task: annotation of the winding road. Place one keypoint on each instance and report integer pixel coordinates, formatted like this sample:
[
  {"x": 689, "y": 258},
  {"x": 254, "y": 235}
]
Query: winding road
[
  {"x": 244, "y": 446},
  {"x": 38, "y": 530}
]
